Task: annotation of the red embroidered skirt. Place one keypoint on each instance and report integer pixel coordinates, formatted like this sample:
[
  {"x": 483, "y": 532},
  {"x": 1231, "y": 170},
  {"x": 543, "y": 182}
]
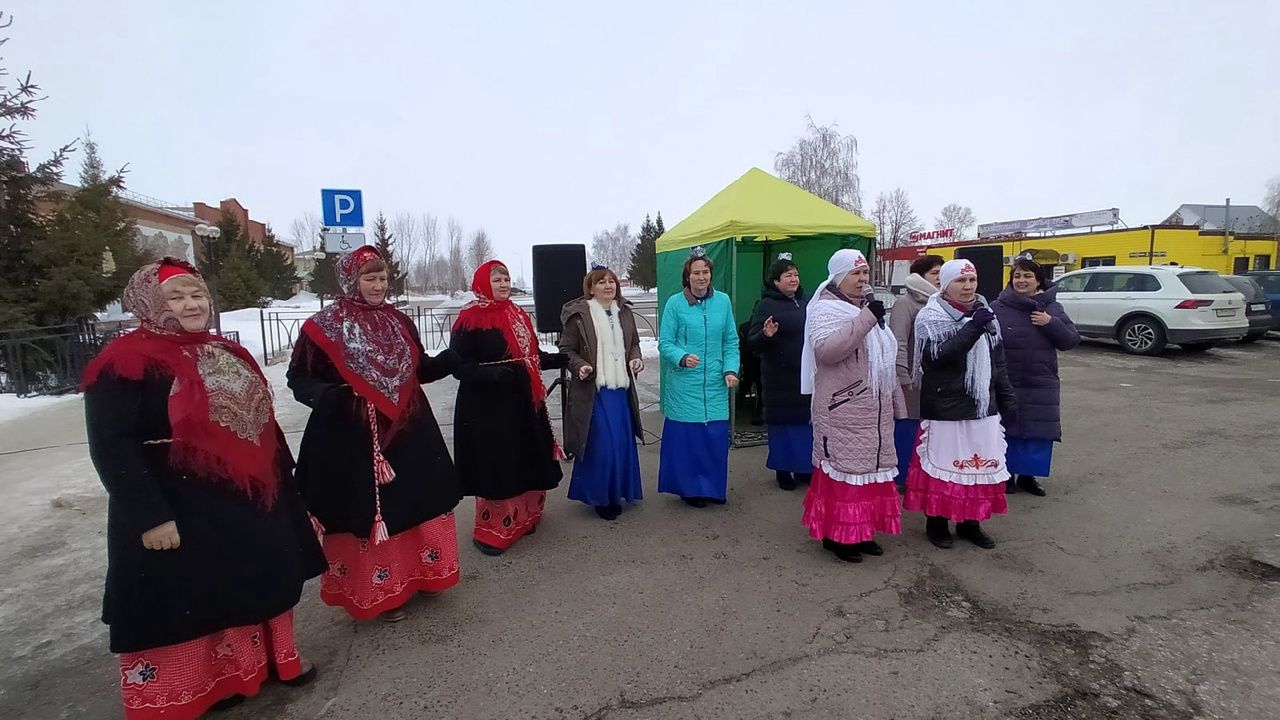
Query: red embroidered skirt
[
  {"x": 500, "y": 523},
  {"x": 849, "y": 513},
  {"x": 954, "y": 501},
  {"x": 181, "y": 682},
  {"x": 367, "y": 580}
]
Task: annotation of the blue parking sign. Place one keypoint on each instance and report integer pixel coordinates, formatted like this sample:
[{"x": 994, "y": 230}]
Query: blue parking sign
[{"x": 342, "y": 208}]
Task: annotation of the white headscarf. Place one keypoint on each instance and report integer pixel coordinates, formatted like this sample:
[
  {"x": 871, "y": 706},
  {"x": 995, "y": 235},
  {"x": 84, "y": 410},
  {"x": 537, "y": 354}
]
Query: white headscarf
[
  {"x": 882, "y": 347},
  {"x": 954, "y": 269},
  {"x": 939, "y": 322}
]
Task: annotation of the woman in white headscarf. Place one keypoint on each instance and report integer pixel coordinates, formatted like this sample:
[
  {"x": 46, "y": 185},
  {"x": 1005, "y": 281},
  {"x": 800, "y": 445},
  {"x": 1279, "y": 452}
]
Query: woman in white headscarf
[
  {"x": 958, "y": 472},
  {"x": 848, "y": 365}
]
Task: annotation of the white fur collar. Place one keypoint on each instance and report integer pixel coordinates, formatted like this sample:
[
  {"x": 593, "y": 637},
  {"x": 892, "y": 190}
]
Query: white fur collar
[{"x": 611, "y": 348}]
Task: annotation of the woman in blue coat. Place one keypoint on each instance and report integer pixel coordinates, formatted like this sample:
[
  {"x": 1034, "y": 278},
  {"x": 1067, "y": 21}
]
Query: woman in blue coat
[
  {"x": 1035, "y": 329},
  {"x": 699, "y": 356}
]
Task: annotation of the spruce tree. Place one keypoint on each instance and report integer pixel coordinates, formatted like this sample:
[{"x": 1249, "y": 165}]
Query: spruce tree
[
  {"x": 644, "y": 258},
  {"x": 233, "y": 266},
  {"x": 21, "y": 228},
  {"x": 91, "y": 246},
  {"x": 385, "y": 241},
  {"x": 279, "y": 276}
]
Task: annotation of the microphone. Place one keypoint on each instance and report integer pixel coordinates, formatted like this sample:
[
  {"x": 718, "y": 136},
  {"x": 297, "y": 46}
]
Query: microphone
[{"x": 870, "y": 298}]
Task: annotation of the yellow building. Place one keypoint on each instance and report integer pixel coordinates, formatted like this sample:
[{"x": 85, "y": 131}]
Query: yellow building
[{"x": 1147, "y": 245}]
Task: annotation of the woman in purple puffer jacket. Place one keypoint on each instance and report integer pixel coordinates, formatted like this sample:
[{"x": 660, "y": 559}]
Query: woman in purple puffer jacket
[{"x": 1035, "y": 329}]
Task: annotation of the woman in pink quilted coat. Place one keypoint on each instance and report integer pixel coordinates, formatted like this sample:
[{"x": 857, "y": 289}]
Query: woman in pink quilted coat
[{"x": 848, "y": 366}]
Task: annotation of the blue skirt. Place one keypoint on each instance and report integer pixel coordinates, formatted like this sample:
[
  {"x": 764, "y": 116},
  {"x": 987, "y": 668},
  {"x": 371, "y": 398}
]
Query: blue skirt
[
  {"x": 608, "y": 473},
  {"x": 905, "y": 433},
  {"x": 695, "y": 459},
  {"x": 790, "y": 448},
  {"x": 1029, "y": 456}
]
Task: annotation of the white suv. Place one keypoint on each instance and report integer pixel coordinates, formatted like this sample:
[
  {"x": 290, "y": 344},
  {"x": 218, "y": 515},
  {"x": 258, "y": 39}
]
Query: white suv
[{"x": 1145, "y": 308}]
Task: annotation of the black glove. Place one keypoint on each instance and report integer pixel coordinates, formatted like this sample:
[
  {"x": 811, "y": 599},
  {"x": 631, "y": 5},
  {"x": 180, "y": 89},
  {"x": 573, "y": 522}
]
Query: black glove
[
  {"x": 448, "y": 360},
  {"x": 877, "y": 308},
  {"x": 983, "y": 316}
]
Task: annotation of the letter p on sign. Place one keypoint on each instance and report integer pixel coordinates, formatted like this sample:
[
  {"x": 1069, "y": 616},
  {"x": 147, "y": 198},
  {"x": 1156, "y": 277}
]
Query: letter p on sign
[{"x": 342, "y": 208}]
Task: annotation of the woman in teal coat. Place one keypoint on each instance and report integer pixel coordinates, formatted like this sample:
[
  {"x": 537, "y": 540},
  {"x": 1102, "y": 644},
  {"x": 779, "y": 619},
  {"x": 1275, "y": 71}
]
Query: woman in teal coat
[{"x": 699, "y": 348}]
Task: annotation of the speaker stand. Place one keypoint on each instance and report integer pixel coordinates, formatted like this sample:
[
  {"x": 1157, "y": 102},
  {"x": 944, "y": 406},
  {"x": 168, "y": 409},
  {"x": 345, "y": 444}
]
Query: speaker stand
[{"x": 562, "y": 383}]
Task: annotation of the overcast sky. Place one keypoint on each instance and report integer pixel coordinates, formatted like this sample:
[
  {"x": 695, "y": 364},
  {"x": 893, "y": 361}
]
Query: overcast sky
[{"x": 545, "y": 121}]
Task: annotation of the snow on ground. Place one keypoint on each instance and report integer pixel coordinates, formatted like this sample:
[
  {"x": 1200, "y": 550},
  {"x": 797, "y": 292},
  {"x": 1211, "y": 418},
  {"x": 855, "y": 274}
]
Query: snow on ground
[
  {"x": 302, "y": 301},
  {"x": 248, "y": 323},
  {"x": 638, "y": 292},
  {"x": 649, "y": 348},
  {"x": 13, "y": 407}
]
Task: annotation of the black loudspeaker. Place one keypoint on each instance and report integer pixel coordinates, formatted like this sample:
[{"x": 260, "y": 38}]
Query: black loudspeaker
[
  {"x": 558, "y": 271},
  {"x": 989, "y": 261}
]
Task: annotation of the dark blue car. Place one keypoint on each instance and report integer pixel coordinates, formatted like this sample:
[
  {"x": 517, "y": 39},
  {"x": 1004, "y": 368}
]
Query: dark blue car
[
  {"x": 1257, "y": 308},
  {"x": 1270, "y": 282}
]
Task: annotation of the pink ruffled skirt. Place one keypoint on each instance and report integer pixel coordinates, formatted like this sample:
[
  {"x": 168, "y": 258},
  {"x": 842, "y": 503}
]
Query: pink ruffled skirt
[
  {"x": 848, "y": 513},
  {"x": 956, "y": 502}
]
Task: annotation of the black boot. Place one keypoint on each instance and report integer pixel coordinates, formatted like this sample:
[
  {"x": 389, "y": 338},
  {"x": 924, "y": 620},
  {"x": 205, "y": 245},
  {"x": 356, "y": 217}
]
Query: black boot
[
  {"x": 847, "y": 553},
  {"x": 786, "y": 480},
  {"x": 804, "y": 478},
  {"x": 870, "y": 547},
  {"x": 695, "y": 502},
  {"x": 970, "y": 530},
  {"x": 609, "y": 512},
  {"x": 1010, "y": 486},
  {"x": 938, "y": 530},
  {"x": 1029, "y": 484}
]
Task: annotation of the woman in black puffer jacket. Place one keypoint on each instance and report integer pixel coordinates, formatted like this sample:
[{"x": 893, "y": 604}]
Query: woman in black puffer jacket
[
  {"x": 777, "y": 336},
  {"x": 958, "y": 472}
]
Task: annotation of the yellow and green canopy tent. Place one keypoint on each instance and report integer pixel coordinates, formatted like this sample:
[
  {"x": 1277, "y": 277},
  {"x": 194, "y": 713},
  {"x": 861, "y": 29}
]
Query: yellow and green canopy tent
[{"x": 744, "y": 227}]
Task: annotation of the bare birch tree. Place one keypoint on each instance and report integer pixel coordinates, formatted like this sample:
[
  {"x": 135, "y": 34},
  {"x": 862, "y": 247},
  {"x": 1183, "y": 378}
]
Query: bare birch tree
[
  {"x": 895, "y": 221},
  {"x": 825, "y": 163},
  {"x": 1272, "y": 201},
  {"x": 956, "y": 216},
  {"x": 479, "y": 251},
  {"x": 431, "y": 268},
  {"x": 306, "y": 230},
  {"x": 408, "y": 245},
  {"x": 613, "y": 248},
  {"x": 457, "y": 268}
]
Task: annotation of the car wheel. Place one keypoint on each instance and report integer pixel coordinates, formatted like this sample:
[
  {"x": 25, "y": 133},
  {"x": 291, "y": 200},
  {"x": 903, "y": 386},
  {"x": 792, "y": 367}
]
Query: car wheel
[
  {"x": 1197, "y": 347},
  {"x": 1255, "y": 337},
  {"x": 1142, "y": 336}
]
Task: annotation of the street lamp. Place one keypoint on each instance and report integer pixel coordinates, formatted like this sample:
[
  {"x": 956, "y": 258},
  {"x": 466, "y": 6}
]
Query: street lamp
[{"x": 208, "y": 234}]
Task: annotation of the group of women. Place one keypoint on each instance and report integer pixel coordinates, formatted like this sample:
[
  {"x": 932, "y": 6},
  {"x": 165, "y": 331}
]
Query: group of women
[
  {"x": 212, "y": 530},
  {"x": 954, "y": 399}
]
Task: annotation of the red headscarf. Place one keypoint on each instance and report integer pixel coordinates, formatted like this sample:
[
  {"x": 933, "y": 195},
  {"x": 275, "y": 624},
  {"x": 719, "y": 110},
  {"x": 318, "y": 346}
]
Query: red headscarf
[
  {"x": 516, "y": 327},
  {"x": 221, "y": 418}
]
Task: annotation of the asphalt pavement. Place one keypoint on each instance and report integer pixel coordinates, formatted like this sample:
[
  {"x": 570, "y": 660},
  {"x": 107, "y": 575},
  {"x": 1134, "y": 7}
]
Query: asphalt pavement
[{"x": 1144, "y": 586}]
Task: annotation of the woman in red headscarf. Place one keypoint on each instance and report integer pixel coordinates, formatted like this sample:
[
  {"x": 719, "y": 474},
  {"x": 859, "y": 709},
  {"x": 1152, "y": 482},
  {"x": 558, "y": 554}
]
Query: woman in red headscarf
[
  {"x": 373, "y": 467},
  {"x": 506, "y": 450},
  {"x": 208, "y": 542}
]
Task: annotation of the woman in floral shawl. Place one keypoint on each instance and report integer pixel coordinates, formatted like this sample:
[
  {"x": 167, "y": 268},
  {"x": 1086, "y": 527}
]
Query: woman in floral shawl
[
  {"x": 373, "y": 465},
  {"x": 208, "y": 543}
]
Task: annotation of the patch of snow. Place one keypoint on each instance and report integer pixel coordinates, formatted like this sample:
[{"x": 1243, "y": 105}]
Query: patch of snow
[
  {"x": 648, "y": 348},
  {"x": 13, "y": 407},
  {"x": 303, "y": 300},
  {"x": 638, "y": 292},
  {"x": 248, "y": 323}
]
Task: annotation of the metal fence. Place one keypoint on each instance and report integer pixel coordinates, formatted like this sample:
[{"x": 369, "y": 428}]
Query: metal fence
[
  {"x": 280, "y": 328},
  {"x": 50, "y": 360}
]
